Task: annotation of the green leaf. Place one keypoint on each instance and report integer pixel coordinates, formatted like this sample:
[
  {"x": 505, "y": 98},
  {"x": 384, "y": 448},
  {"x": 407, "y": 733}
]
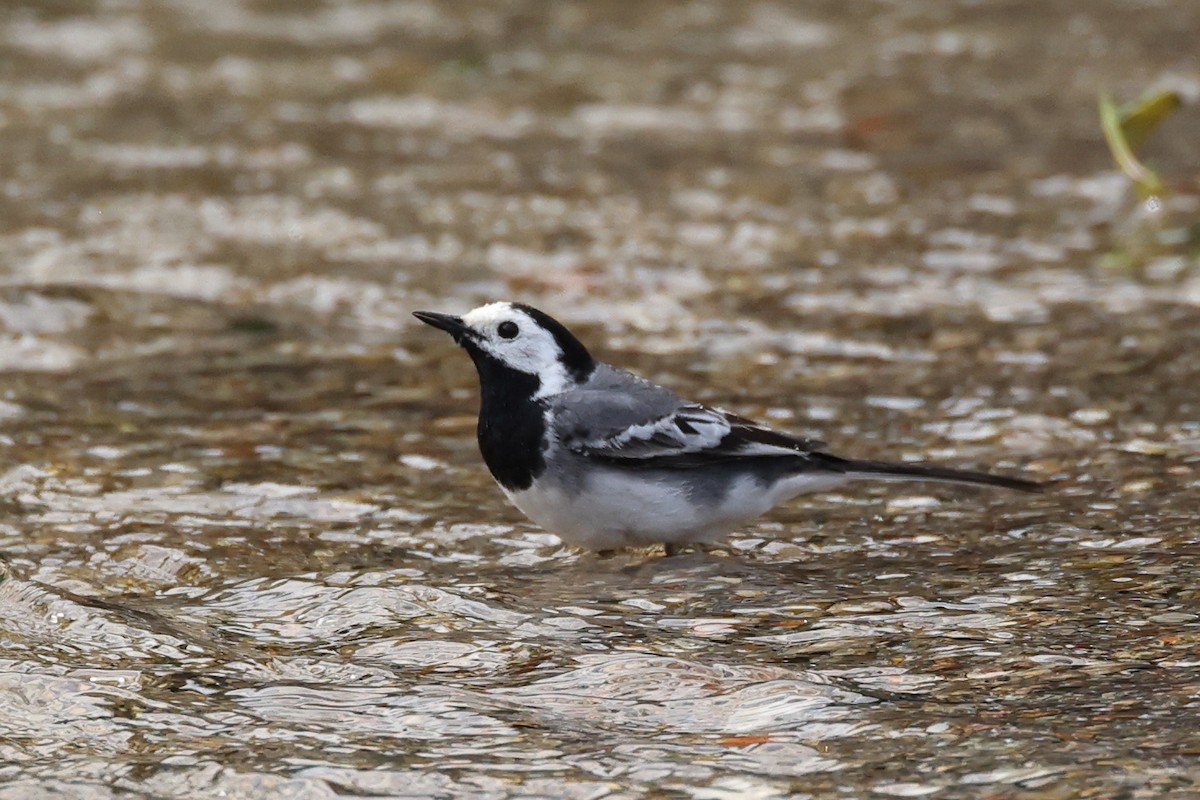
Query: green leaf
[
  {"x": 1111, "y": 122},
  {"x": 1138, "y": 120}
]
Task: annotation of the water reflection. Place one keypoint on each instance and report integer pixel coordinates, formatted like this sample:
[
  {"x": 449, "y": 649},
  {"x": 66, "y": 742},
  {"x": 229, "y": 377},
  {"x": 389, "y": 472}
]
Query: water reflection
[{"x": 248, "y": 549}]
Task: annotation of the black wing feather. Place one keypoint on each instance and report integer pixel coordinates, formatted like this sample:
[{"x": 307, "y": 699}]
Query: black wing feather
[{"x": 693, "y": 436}]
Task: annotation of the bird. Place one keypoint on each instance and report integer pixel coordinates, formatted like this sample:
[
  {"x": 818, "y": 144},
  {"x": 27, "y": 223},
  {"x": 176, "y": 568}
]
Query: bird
[{"x": 608, "y": 460}]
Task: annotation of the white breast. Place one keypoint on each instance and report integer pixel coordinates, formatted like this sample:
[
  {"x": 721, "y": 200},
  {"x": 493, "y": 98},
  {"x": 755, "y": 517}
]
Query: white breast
[{"x": 617, "y": 507}]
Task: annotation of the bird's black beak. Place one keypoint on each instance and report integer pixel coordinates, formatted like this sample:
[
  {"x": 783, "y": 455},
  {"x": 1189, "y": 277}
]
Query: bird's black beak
[{"x": 446, "y": 322}]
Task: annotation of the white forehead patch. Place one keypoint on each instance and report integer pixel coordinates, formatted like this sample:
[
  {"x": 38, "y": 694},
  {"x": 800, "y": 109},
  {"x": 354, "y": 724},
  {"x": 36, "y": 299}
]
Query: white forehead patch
[
  {"x": 493, "y": 314},
  {"x": 534, "y": 349}
]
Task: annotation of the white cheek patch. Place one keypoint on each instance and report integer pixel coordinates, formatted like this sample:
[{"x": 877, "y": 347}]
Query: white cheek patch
[
  {"x": 533, "y": 351},
  {"x": 553, "y": 381}
]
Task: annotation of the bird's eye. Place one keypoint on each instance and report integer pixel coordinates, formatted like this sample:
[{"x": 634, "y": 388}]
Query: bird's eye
[{"x": 508, "y": 330}]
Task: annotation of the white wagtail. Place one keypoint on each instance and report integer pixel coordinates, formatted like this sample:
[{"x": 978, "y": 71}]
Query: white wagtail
[{"x": 605, "y": 459}]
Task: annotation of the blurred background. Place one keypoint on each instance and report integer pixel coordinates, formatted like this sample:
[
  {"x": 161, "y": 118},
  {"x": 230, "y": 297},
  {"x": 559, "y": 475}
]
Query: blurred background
[{"x": 249, "y": 547}]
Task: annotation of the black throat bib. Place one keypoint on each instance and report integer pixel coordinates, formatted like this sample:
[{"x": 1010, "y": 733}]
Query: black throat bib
[{"x": 511, "y": 423}]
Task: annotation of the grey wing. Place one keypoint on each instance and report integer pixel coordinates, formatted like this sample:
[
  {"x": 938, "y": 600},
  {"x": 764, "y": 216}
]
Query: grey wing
[{"x": 640, "y": 424}]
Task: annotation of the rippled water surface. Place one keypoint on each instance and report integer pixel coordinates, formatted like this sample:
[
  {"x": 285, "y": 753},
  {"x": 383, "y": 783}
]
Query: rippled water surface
[{"x": 248, "y": 548}]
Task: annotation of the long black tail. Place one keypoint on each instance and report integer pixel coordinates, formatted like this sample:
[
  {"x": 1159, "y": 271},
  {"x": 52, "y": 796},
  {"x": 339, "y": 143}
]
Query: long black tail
[{"x": 930, "y": 472}]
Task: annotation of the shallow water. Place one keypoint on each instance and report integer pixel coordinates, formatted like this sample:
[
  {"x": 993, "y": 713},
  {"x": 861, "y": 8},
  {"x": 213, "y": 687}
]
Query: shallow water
[{"x": 249, "y": 549}]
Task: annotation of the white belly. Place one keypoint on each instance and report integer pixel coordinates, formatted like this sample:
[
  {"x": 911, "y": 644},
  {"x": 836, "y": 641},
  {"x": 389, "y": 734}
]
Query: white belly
[{"x": 621, "y": 508}]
